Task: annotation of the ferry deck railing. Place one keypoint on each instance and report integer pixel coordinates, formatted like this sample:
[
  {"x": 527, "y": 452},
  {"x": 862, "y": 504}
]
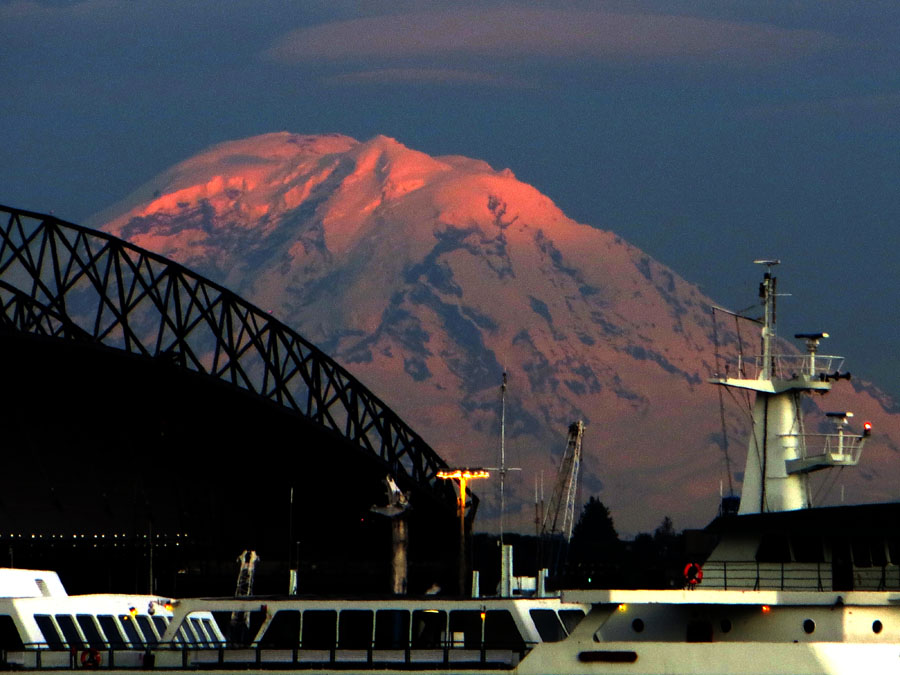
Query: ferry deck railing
[
  {"x": 794, "y": 576},
  {"x": 177, "y": 656}
]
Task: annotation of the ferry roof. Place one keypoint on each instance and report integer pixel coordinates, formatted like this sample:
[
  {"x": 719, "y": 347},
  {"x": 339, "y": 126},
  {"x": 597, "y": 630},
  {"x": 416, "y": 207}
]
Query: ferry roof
[
  {"x": 855, "y": 519},
  {"x": 18, "y": 583},
  {"x": 732, "y": 597}
]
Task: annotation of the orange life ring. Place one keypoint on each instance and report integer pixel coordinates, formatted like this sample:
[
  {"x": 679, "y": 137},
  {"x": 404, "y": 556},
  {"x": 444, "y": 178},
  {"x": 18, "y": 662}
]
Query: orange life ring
[
  {"x": 693, "y": 574},
  {"x": 90, "y": 658}
]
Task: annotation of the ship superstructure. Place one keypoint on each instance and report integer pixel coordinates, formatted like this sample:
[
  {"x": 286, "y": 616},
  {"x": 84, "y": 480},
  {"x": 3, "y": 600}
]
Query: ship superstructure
[{"x": 781, "y": 453}]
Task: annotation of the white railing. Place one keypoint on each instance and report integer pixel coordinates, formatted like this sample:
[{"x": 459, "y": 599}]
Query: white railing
[
  {"x": 788, "y": 366},
  {"x": 839, "y": 449}
]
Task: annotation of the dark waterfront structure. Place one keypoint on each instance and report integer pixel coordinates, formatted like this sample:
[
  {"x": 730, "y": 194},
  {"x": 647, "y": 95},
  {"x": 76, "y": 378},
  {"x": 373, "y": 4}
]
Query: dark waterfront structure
[{"x": 155, "y": 425}]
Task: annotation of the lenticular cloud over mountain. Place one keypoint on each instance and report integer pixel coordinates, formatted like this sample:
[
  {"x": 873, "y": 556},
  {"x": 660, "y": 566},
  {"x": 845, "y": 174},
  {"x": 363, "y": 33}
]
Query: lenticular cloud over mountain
[{"x": 428, "y": 276}]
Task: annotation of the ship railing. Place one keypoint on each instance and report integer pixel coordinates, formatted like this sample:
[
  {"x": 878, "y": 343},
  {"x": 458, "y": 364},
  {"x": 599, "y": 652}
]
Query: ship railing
[
  {"x": 754, "y": 575},
  {"x": 795, "y": 576},
  {"x": 784, "y": 366},
  {"x": 841, "y": 449},
  {"x": 178, "y": 656}
]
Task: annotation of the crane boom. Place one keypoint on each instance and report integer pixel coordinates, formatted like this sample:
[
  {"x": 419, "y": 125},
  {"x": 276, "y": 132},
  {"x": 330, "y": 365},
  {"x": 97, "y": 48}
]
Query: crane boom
[{"x": 560, "y": 516}]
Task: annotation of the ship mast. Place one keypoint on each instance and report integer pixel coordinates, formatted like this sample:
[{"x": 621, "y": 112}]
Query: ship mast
[{"x": 781, "y": 455}]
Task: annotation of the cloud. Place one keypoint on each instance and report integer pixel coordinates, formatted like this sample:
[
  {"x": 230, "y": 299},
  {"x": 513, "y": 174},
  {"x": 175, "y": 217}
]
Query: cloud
[
  {"x": 417, "y": 76},
  {"x": 514, "y": 32}
]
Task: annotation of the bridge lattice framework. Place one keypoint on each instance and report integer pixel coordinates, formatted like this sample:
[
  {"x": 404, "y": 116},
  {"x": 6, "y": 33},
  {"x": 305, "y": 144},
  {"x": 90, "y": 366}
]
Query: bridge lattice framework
[{"x": 66, "y": 281}]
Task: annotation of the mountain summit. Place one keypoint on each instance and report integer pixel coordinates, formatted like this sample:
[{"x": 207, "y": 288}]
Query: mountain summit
[{"x": 427, "y": 277}]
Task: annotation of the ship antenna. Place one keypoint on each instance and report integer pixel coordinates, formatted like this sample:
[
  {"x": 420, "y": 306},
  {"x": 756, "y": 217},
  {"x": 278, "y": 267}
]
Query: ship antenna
[{"x": 767, "y": 294}]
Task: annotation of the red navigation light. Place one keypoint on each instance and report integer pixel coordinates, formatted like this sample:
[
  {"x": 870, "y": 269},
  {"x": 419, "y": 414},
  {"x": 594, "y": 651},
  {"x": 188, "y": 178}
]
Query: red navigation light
[{"x": 867, "y": 429}]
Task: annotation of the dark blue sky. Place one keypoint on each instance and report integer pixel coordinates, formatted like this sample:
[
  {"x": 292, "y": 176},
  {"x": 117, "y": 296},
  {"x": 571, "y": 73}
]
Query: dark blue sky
[{"x": 705, "y": 133}]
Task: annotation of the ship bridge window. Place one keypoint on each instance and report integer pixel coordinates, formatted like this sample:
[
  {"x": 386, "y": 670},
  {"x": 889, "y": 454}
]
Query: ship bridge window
[
  {"x": 773, "y": 548},
  {"x": 131, "y": 631},
  {"x": 319, "y": 629},
  {"x": 868, "y": 552},
  {"x": 391, "y": 629},
  {"x": 89, "y": 628},
  {"x": 67, "y": 625},
  {"x": 111, "y": 629},
  {"x": 862, "y": 556},
  {"x": 893, "y": 546},
  {"x": 548, "y": 625},
  {"x": 808, "y": 549},
  {"x": 465, "y": 628},
  {"x": 283, "y": 631},
  {"x": 500, "y": 631},
  {"x": 49, "y": 631},
  {"x": 355, "y": 629},
  {"x": 571, "y": 618},
  {"x": 429, "y": 628},
  {"x": 9, "y": 634},
  {"x": 879, "y": 553}
]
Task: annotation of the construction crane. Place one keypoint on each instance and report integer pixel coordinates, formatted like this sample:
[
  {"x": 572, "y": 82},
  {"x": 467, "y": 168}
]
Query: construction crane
[{"x": 559, "y": 519}]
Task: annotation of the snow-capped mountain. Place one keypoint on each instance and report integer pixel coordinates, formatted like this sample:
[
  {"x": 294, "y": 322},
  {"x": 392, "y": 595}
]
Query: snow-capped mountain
[{"x": 428, "y": 276}]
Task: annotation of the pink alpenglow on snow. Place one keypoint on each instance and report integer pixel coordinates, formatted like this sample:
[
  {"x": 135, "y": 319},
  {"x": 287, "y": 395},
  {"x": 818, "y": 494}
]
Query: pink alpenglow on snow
[{"x": 428, "y": 276}]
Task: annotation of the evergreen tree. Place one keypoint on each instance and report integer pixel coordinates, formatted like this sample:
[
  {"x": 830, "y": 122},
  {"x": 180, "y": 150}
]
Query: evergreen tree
[{"x": 594, "y": 538}]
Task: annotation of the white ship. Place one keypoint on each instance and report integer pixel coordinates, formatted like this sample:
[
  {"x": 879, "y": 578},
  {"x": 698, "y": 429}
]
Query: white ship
[{"x": 789, "y": 589}]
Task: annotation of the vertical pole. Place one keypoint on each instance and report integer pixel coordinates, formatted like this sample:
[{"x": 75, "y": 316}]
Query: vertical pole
[
  {"x": 462, "y": 534},
  {"x": 502, "y": 456},
  {"x": 400, "y": 538}
]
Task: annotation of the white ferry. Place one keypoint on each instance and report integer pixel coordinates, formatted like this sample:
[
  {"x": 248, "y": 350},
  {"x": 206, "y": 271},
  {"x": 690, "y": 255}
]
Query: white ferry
[{"x": 789, "y": 589}]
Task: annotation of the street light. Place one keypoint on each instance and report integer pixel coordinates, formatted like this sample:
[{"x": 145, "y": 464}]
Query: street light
[{"x": 463, "y": 476}]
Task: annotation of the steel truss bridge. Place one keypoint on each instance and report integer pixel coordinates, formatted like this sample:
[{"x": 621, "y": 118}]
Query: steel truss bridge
[{"x": 66, "y": 282}]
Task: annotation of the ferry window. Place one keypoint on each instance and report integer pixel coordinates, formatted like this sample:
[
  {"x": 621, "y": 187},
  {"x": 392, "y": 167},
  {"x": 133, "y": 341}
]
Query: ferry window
[
  {"x": 9, "y": 635},
  {"x": 355, "y": 629},
  {"x": 548, "y": 625},
  {"x": 391, "y": 629},
  {"x": 429, "y": 628},
  {"x": 147, "y": 630},
  {"x": 202, "y": 638},
  {"x": 89, "y": 628},
  {"x": 500, "y": 630},
  {"x": 465, "y": 628},
  {"x": 161, "y": 625},
  {"x": 187, "y": 634},
  {"x": 283, "y": 631},
  {"x": 111, "y": 629},
  {"x": 807, "y": 549},
  {"x": 773, "y": 548},
  {"x": 571, "y": 618},
  {"x": 211, "y": 631},
  {"x": 861, "y": 555},
  {"x": 48, "y": 630},
  {"x": 67, "y": 626},
  {"x": 318, "y": 630},
  {"x": 131, "y": 630},
  {"x": 879, "y": 554},
  {"x": 894, "y": 550}
]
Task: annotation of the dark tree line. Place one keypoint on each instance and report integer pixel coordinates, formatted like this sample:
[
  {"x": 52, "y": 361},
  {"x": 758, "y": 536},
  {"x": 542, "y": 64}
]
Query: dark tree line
[{"x": 598, "y": 558}]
